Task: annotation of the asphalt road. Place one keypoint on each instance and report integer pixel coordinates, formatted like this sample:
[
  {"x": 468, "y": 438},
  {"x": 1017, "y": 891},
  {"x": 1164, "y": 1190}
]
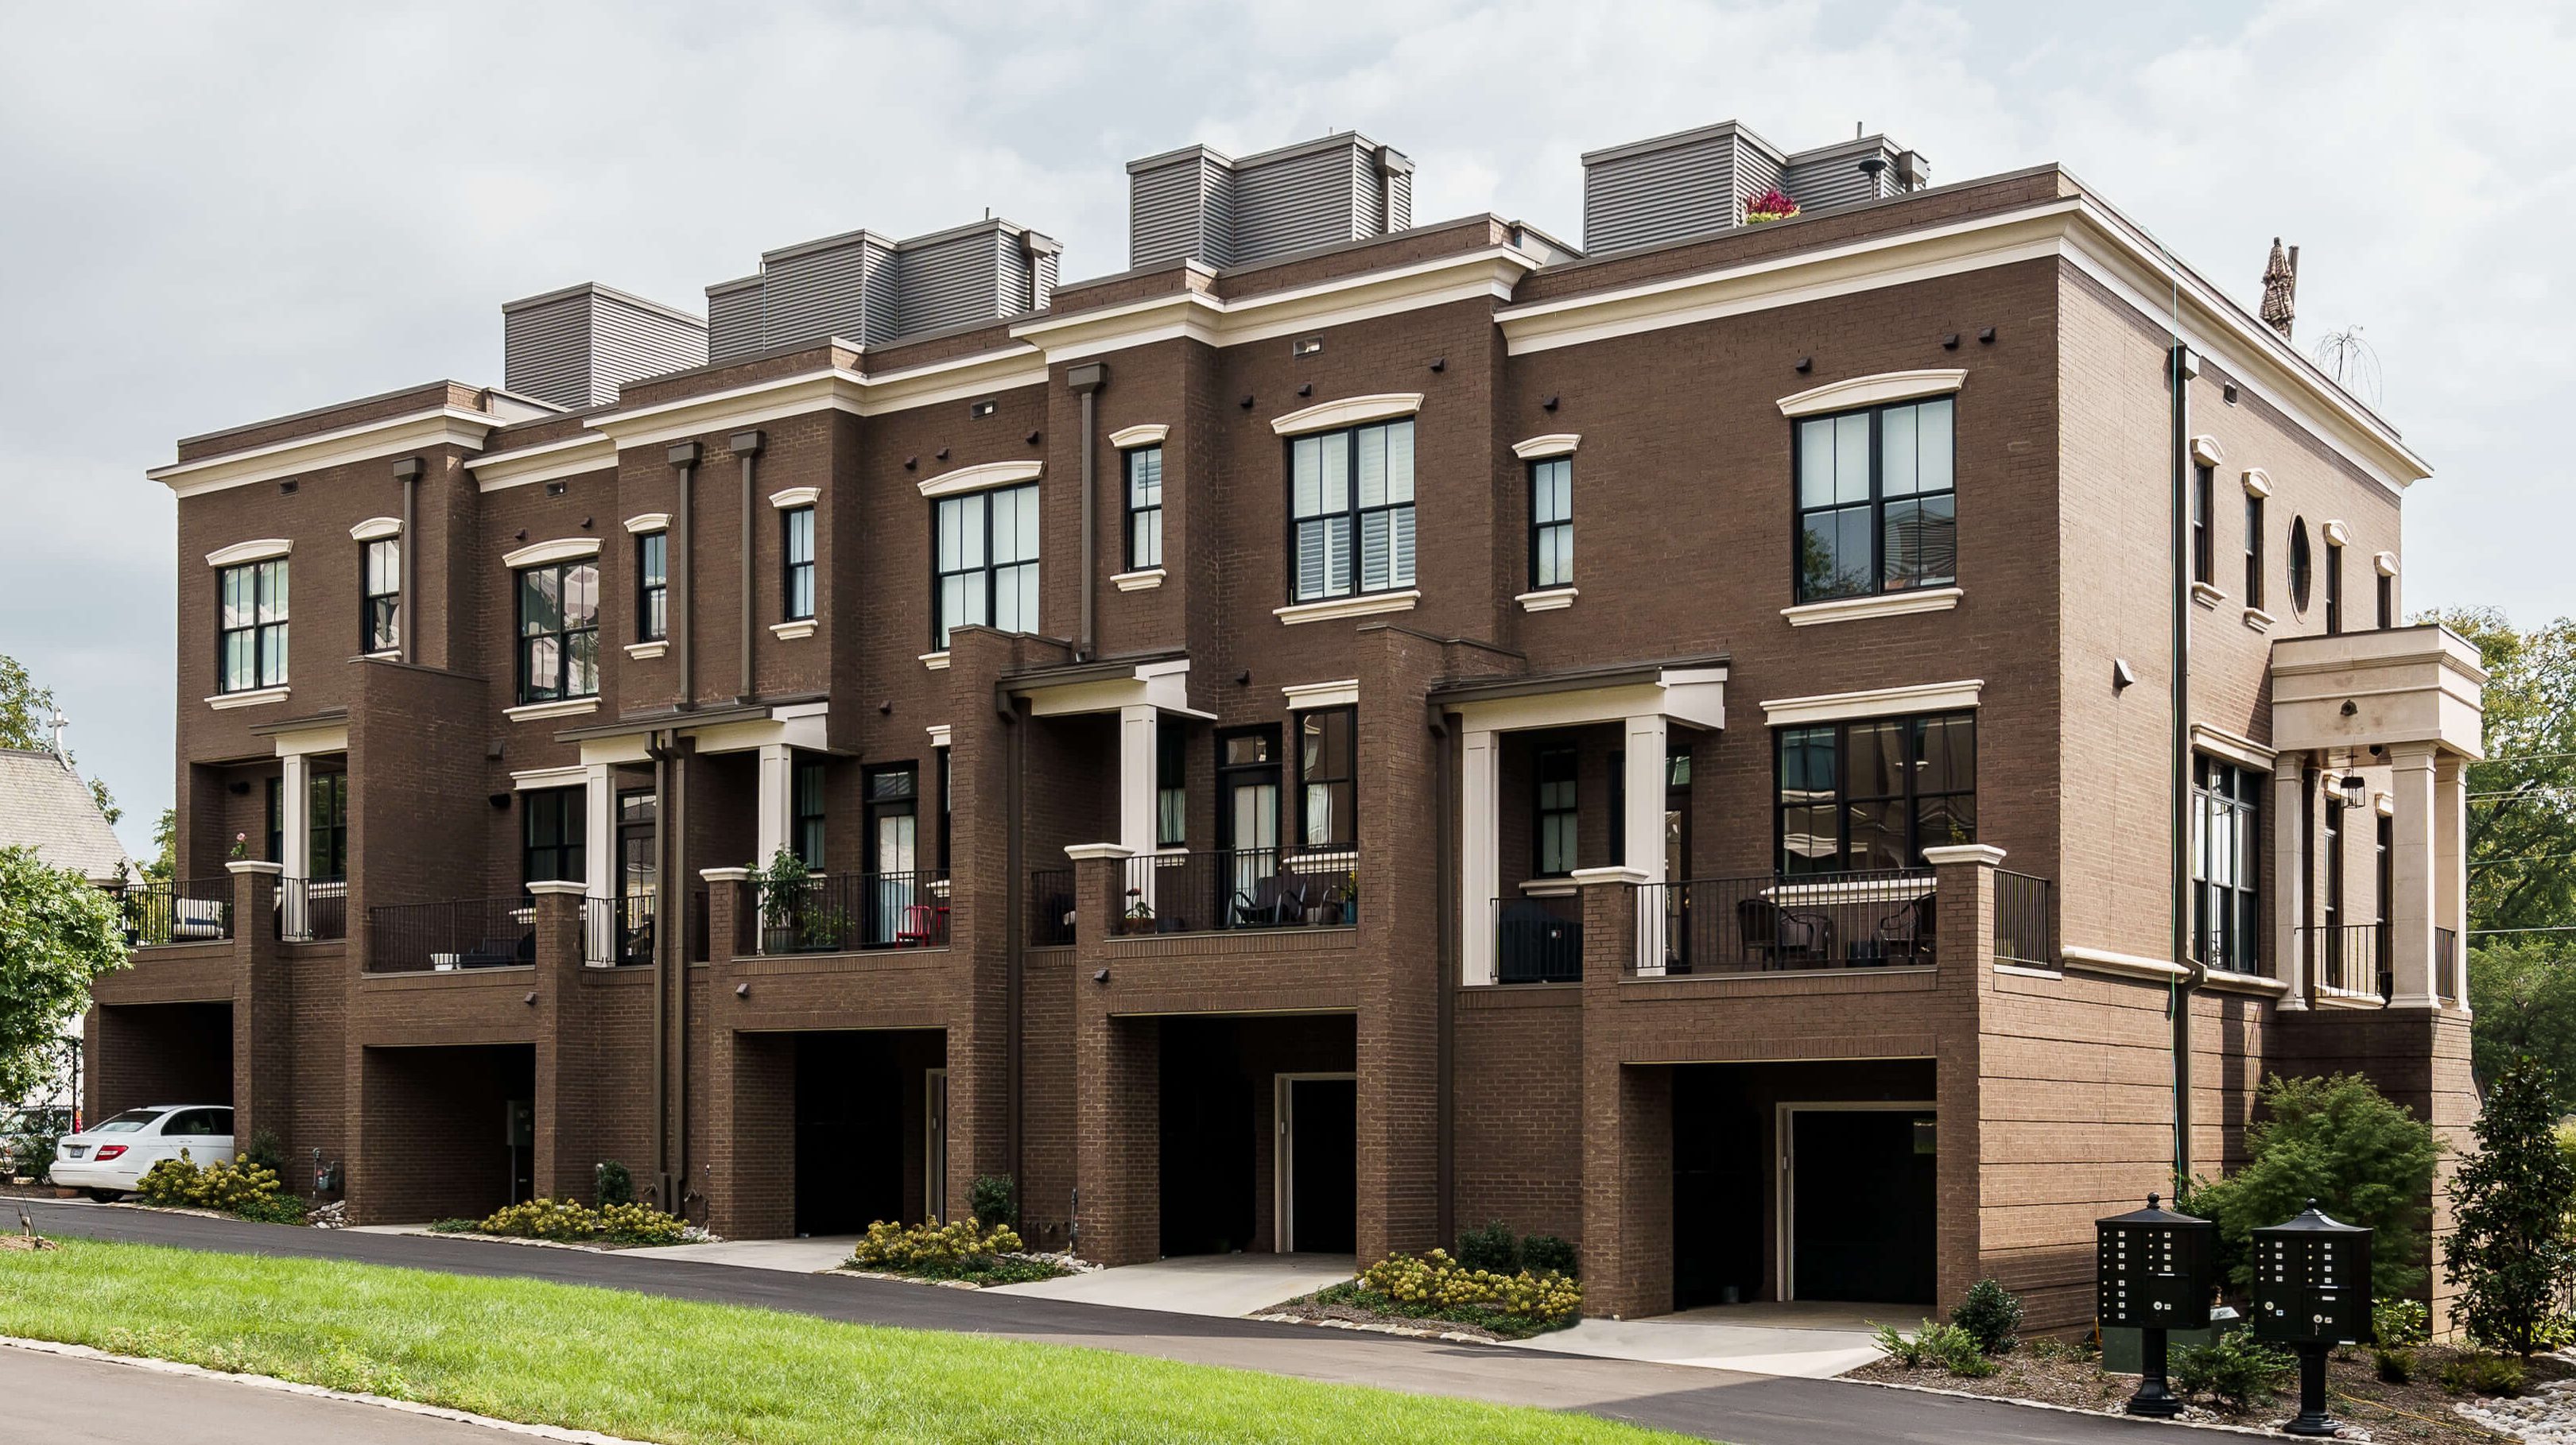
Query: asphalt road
[
  {"x": 63, "y": 1401},
  {"x": 1710, "y": 1404}
]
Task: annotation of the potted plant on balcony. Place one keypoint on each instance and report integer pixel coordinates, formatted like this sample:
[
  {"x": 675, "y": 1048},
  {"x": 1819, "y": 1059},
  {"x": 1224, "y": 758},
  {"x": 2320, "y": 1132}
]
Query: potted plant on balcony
[
  {"x": 1139, "y": 917},
  {"x": 1772, "y": 205},
  {"x": 783, "y": 887}
]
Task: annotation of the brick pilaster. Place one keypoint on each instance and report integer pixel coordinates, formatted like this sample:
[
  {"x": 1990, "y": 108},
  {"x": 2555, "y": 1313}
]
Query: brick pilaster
[
  {"x": 1964, "y": 887},
  {"x": 263, "y": 1006},
  {"x": 1118, "y": 1175},
  {"x": 563, "y": 1068},
  {"x": 1627, "y": 1121}
]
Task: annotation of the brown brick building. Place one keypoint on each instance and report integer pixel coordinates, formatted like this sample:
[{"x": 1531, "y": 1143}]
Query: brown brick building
[{"x": 1224, "y": 797}]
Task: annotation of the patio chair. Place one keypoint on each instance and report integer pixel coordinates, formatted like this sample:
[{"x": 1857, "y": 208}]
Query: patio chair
[
  {"x": 924, "y": 924},
  {"x": 1272, "y": 902},
  {"x": 1906, "y": 936}
]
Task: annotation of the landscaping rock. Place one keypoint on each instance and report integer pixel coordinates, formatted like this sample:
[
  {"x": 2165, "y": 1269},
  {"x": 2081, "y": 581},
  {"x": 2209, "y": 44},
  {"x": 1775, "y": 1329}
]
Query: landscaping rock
[
  {"x": 334, "y": 1215},
  {"x": 2546, "y": 1416}
]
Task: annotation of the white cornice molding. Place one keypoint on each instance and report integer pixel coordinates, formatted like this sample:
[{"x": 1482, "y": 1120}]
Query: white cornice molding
[
  {"x": 795, "y": 497},
  {"x": 564, "y": 707},
  {"x": 529, "y": 780},
  {"x": 1554, "y": 444},
  {"x": 225, "y": 701},
  {"x": 647, "y": 651},
  {"x": 1885, "y": 386},
  {"x": 649, "y": 522},
  {"x": 545, "y": 462},
  {"x": 1349, "y": 411},
  {"x": 791, "y": 631},
  {"x": 939, "y": 734},
  {"x": 1875, "y": 702},
  {"x": 982, "y": 476},
  {"x": 412, "y": 431},
  {"x": 376, "y": 529},
  {"x": 1149, "y": 435},
  {"x": 1303, "y": 696},
  {"x": 1877, "y": 604},
  {"x": 2234, "y": 747},
  {"x": 258, "y": 551},
  {"x": 561, "y": 549},
  {"x": 831, "y": 388}
]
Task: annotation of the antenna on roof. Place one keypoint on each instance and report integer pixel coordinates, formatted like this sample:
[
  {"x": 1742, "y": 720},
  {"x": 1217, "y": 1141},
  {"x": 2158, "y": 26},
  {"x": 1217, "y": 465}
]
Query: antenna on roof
[{"x": 1856, "y": 125}]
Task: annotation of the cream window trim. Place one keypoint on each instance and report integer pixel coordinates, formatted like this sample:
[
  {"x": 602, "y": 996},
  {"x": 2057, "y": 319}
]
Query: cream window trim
[
  {"x": 2258, "y": 482},
  {"x": 376, "y": 529},
  {"x": 980, "y": 477},
  {"x": 2120, "y": 965},
  {"x": 562, "y": 707},
  {"x": 2219, "y": 980},
  {"x": 791, "y": 631},
  {"x": 1302, "y": 696},
  {"x": 1877, "y": 702},
  {"x": 225, "y": 701},
  {"x": 1362, "y": 606},
  {"x": 936, "y": 661},
  {"x": 1886, "y": 386},
  {"x": 649, "y": 522},
  {"x": 2234, "y": 747},
  {"x": 562, "y": 549},
  {"x": 1143, "y": 581},
  {"x": 1548, "y": 599},
  {"x": 940, "y": 734},
  {"x": 647, "y": 651},
  {"x": 1882, "y": 604},
  {"x": 2206, "y": 595},
  {"x": 1554, "y": 444},
  {"x": 795, "y": 497},
  {"x": 1149, "y": 435},
  {"x": 2336, "y": 533},
  {"x": 239, "y": 552},
  {"x": 1349, "y": 411},
  {"x": 2258, "y": 619},
  {"x": 534, "y": 779},
  {"x": 2206, "y": 451},
  {"x": 2384, "y": 563}
]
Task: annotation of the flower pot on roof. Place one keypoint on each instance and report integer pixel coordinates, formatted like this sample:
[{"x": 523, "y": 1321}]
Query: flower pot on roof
[{"x": 1772, "y": 205}]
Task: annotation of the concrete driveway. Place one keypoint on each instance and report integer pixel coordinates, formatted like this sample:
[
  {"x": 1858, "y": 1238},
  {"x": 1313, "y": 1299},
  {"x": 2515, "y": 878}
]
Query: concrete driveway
[
  {"x": 1807, "y": 1341},
  {"x": 1224, "y": 1286}
]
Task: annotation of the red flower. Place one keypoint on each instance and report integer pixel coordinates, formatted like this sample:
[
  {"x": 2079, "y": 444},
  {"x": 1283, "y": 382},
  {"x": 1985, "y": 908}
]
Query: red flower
[{"x": 1772, "y": 205}]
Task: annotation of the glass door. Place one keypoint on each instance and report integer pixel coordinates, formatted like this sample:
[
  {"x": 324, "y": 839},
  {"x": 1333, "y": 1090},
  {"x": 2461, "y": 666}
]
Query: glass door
[
  {"x": 1677, "y": 868},
  {"x": 639, "y": 877},
  {"x": 893, "y": 901},
  {"x": 1247, "y": 823}
]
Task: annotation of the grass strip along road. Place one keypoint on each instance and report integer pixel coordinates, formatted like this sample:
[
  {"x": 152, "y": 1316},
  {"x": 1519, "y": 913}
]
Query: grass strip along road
[{"x": 679, "y": 1371}]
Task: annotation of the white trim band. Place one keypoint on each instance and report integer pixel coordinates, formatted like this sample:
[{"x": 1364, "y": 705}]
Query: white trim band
[
  {"x": 792, "y": 497},
  {"x": 791, "y": 631},
  {"x": 224, "y": 701},
  {"x": 1302, "y": 696},
  {"x": 979, "y": 477},
  {"x": 1882, "y": 604},
  {"x": 1862, "y": 391},
  {"x": 1548, "y": 599},
  {"x": 1876, "y": 702},
  {"x": 649, "y": 522},
  {"x": 1143, "y": 581},
  {"x": 240, "y": 552},
  {"x": 1148, "y": 435},
  {"x": 1361, "y": 606},
  {"x": 1554, "y": 444},
  {"x": 563, "y": 707},
  {"x": 562, "y": 549},
  {"x": 376, "y": 529},
  {"x": 1349, "y": 411}
]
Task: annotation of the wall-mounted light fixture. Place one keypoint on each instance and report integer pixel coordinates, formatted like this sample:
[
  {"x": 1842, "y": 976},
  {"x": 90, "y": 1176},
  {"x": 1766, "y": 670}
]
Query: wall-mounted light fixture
[
  {"x": 2355, "y": 790},
  {"x": 1805, "y": 364}
]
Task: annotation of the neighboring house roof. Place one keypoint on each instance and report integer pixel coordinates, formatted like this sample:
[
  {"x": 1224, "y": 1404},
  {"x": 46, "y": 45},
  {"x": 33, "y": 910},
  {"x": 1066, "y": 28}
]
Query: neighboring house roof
[{"x": 46, "y": 806}]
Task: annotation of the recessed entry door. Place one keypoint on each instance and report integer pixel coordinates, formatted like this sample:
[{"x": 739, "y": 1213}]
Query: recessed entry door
[
  {"x": 1318, "y": 1163},
  {"x": 893, "y": 836},
  {"x": 934, "y": 1145},
  {"x": 1861, "y": 1209},
  {"x": 1248, "y": 805}
]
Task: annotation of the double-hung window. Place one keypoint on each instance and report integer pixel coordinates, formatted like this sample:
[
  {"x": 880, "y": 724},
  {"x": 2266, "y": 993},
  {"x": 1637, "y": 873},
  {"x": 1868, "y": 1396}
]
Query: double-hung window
[
  {"x": 552, "y": 835},
  {"x": 1350, "y": 498},
  {"x": 1328, "y": 780},
  {"x": 1556, "y": 811},
  {"x": 2387, "y": 602},
  {"x": 2225, "y": 856},
  {"x": 987, "y": 561},
  {"x": 1874, "y": 793},
  {"x": 2334, "y": 587},
  {"x": 2204, "y": 525},
  {"x": 558, "y": 631},
  {"x": 251, "y": 650},
  {"x": 2254, "y": 551},
  {"x": 1144, "y": 508},
  {"x": 798, "y": 523},
  {"x": 808, "y": 822},
  {"x": 652, "y": 587},
  {"x": 326, "y": 827},
  {"x": 380, "y": 595},
  {"x": 1171, "y": 785},
  {"x": 1877, "y": 509},
  {"x": 1551, "y": 548}
]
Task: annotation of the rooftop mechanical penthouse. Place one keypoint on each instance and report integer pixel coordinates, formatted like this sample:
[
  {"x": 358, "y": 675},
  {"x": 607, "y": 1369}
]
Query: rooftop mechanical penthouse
[{"x": 1343, "y": 730}]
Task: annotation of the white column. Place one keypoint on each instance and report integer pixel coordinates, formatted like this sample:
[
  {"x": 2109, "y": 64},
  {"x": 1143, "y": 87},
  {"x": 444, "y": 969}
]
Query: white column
[
  {"x": 294, "y": 816},
  {"x": 1645, "y": 784},
  {"x": 599, "y": 859},
  {"x": 1480, "y": 864},
  {"x": 2412, "y": 866},
  {"x": 2289, "y": 880},
  {"x": 2450, "y": 864},
  {"x": 1137, "y": 760},
  {"x": 777, "y": 778}
]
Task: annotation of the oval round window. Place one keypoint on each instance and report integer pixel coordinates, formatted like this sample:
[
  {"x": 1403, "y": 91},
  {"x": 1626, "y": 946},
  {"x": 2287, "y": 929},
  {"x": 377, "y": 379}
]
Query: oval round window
[{"x": 2301, "y": 572}]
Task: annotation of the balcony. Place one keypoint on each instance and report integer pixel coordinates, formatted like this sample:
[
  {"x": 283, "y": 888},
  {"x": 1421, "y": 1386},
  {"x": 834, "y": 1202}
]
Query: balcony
[
  {"x": 1796, "y": 923},
  {"x": 619, "y": 932},
  {"x": 452, "y": 935},
  {"x": 1051, "y": 908},
  {"x": 1538, "y": 939},
  {"x": 163, "y": 915},
  {"x": 1234, "y": 889},
  {"x": 847, "y": 913},
  {"x": 312, "y": 910},
  {"x": 2025, "y": 921}
]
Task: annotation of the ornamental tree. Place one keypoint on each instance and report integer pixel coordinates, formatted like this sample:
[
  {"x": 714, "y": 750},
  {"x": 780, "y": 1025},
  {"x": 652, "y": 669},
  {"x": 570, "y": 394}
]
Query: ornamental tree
[
  {"x": 2338, "y": 1141},
  {"x": 2510, "y": 1257},
  {"x": 57, "y": 934}
]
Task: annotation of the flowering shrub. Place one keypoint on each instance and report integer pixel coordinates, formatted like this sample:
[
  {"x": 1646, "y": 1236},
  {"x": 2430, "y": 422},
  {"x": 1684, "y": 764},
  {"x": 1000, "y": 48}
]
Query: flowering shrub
[
  {"x": 964, "y": 1250},
  {"x": 1434, "y": 1282},
  {"x": 1772, "y": 205},
  {"x": 245, "y": 1189},
  {"x": 569, "y": 1221}
]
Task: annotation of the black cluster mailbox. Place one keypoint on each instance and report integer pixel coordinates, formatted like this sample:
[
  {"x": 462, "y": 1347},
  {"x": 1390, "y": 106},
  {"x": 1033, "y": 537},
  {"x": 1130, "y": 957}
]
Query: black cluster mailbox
[
  {"x": 2154, "y": 1271},
  {"x": 2312, "y": 1292}
]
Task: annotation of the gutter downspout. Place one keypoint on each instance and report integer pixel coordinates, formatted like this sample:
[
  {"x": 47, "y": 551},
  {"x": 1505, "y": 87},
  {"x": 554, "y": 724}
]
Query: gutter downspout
[
  {"x": 2181, "y": 367},
  {"x": 407, "y": 471},
  {"x": 746, "y": 445},
  {"x": 659, "y": 750},
  {"x": 684, "y": 570},
  {"x": 1086, "y": 381},
  {"x": 1444, "y": 872}
]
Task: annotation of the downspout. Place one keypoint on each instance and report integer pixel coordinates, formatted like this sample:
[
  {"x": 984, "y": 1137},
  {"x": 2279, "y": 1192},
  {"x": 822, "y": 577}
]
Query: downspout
[
  {"x": 1014, "y": 907},
  {"x": 746, "y": 445},
  {"x": 2181, "y": 367},
  {"x": 684, "y": 456},
  {"x": 1086, "y": 381},
  {"x": 1444, "y": 872},
  {"x": 407, "y": 471},
  {"x": 659, "y": 750}
]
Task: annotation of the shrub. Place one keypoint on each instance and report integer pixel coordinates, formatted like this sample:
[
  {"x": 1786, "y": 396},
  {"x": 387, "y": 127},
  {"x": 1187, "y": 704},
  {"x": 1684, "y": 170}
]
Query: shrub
[
  {"x": 33, "y": 1145},
  {"x": 1990, "y": 1315},
  {"x": 2234, "y": 1369},
  {"x": 243, "y": 1189},
  {"x": 1494, "y": 1249},
  {"x": 616, "y": 1185},
  {"x": 2394, "y": 1367},
  {"x": 2397, "y": 1323},
  {"x": 962, "y": 1250},
  {"x": 2482, "y": 1375},
  {"x": 1550, "y": 1254},
  {"x": 1946, "y": 1346},
  {"x": 263, "y": 1150},
  {"x": 1435, "y": 1284},
  {"x": 569, "y": 1221},
  {"x": 2510, "y": 1256},
  {"x": 994, "y": 1200},
  {"x": 2338, "y": 1141}
]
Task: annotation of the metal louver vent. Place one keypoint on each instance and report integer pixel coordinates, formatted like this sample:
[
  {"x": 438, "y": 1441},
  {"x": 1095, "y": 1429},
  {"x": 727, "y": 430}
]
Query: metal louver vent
[
  {"x": 1201, "y": 204},
  {"x": 575, "y": 347}
]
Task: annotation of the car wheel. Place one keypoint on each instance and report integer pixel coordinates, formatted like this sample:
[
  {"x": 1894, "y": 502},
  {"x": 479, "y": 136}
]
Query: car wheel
[{"x": 105, "y": 1196}]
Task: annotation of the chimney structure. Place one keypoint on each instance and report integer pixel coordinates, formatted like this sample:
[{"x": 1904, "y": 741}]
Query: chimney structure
[{"x": 2281, "y": 289}]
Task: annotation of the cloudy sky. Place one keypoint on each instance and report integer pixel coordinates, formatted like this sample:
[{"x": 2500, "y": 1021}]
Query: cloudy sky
[{"x": 218, "y": 213}]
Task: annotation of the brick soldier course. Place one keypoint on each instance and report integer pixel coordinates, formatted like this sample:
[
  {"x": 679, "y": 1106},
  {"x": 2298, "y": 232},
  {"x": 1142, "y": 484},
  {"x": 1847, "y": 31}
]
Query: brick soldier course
[{"x": 994, "y": 808}]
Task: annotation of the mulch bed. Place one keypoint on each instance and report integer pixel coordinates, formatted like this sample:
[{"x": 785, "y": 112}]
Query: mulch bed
[
  {"x": 2419, "y": 1411},
  {"x": 1350, "y": 1305}
]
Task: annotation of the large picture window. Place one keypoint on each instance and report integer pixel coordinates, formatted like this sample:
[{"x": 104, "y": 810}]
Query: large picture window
[
  {"x": 1327, "y": 780},
  {"x": 1874, "y": 793},
  {"x": 1144, "y": 508},
  {"x": 652, "y": 587},
  {"x": 1551, "y": 549},
  {"x": 1350, "y": 497},
  {"x": 2226, "y": 836},
  {"x": 798, "y": 523},
  {"x": 1877, "y": 509},
  {"x": 988, "y": 561},
  {"x": 551, "y": 838},
  {"x": 251, "y": 650},
  {"x": 380, "y": 595},
  {"x": 559, "y": 632}
]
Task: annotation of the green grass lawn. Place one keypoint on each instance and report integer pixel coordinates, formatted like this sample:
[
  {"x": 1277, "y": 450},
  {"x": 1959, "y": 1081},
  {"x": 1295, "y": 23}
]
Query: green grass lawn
[{"x": 677, "y": 1371}]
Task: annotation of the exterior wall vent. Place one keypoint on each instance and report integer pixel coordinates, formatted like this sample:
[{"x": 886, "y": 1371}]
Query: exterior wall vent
[
  {"x": 1203, "y": 205},
  {"x": 1696, "y": 182},
  {"x": 868, "y": 289},
  {"x": 575, "y": 347}
]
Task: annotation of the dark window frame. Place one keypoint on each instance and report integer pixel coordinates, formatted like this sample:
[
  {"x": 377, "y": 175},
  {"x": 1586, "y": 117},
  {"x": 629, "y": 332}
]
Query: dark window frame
[
  {"x": 2227, "y": 912},
  {"x": 2334, "y": 587},
  {"x": 989, "y": 570},
  {"x": 326, "y": 825},
  {"x": 1308, "y": 778},
  {"x": 1353, "y": 513},
  {"x": 275, "y": 833},
  {"x": 1545, "y": 808},
  {"x": 1546, "y": 534},
  {"x": 652, "y": 586},
  {"x": 2204, "y": 525},
  {"x": 795, "y": 574},
  {"x": 1171, "y": 784},
  {"x": 565, "y": 848},
  {"x": 806, "y": 807},
  {"x": 563, "y": 632},
  {"x": 379, "y": 611},
  {"x": 264, "y": 649},
  {"x": 2387, "y": 601},
  {"x": 1914, "y": 727},
  {"x": 1876, "y": 503},
  {"x": 2302, "y": 564},
  {"x": 2254, "y": 590},
  {"x": 1131, "y": 461}
]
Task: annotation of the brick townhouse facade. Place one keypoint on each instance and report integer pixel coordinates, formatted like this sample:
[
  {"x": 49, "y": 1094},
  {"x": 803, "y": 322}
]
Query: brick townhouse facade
[{"x": 1158, "y": 737}]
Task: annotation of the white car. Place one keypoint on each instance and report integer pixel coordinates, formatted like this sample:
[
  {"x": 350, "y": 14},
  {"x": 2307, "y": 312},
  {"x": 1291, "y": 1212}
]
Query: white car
[{"x": 107, "y": 1159}]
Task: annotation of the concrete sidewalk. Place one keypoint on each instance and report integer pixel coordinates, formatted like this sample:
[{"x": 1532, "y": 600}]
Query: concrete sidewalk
[
  {"x": 1222, "y": 1286},
  {"x": 1807, "y": 1341}
]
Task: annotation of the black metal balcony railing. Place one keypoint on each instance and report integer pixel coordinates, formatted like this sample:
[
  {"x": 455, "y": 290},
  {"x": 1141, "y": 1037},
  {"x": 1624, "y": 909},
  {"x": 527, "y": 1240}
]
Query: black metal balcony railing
[
  {"x": 459, "y": 933},
  {"x": 1538, "y": 938},
  {"x": 1050, "y": 905},
  {"x": 1237, "y": 888},
  {"x": 157, "y": 915},
  {"x": 2350, "y": 960},
  {"x": 1806, "y": 921},
  {"x": 618, "y": 932},
  {"x": 2446, "y": 964},
  {"x": 849, "y": 912},
  {"x": 312, "y": 910},
  {"x": 2025, "y": 920}
]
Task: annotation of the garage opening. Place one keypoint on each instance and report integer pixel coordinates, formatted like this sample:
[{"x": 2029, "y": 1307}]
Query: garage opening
[
  {"x": 1260, "y": 1134},
  {"x": 1812, "y": 1181},
  {"x": 456, "y": 1129},
  {"x": 163, "y": 1053},
  {"x": 871, "y": 1128}
]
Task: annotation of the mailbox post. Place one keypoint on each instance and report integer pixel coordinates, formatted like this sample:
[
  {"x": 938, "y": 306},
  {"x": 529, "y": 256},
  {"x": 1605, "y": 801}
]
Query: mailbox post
[
  {"x": 2154, "y": 1270},
  {"x": 2312, "y": 1293}
]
